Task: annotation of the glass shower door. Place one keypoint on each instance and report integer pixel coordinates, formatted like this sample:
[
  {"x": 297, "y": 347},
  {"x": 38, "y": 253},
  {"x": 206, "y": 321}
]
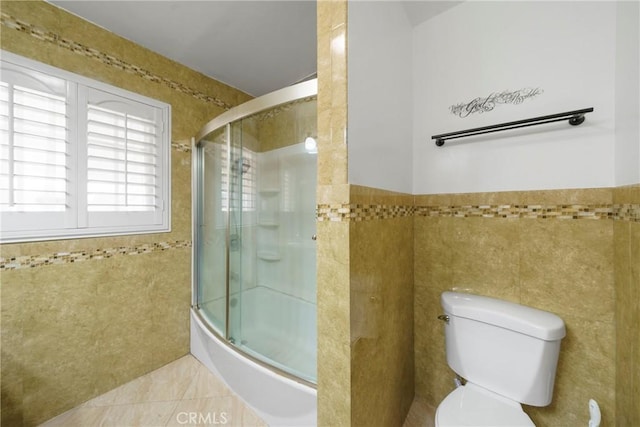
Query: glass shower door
[
  {"x": 239, "y": 244},
  {"x": 273, "y": 313},
  {"x": 211, "y": 262},
  {"x": 255, "y": 226}
]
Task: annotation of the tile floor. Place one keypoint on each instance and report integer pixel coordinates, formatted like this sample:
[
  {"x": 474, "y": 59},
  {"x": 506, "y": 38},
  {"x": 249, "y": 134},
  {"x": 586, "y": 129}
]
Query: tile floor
[
  {"x": 182, "y": 393},
  {"x": 420, "y": 414}
]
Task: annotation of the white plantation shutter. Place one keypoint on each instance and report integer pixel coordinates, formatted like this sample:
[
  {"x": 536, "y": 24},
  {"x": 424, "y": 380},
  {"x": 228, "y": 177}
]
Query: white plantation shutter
[
  {"x": 125, "y": 162},
  {"x": 34, "y": 150},
  {"x": 122, "y": 162},
  {"x": 77, "y": 157}
]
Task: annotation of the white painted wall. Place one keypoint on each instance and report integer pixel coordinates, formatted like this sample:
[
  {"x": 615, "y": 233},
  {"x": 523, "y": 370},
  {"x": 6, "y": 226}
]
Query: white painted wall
[
  {"x": 581, "y": 54},
  {"x": 627, "y": 89},
  {"x": 379, "y": 96},
  {"x": 568, "y": 49}
]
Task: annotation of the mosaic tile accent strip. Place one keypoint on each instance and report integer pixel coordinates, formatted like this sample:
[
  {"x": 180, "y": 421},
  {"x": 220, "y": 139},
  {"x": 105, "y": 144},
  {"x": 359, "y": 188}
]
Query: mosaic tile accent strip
[
  {"x": 262, "y": 116},
  {"x": 519, "y": 211},
  {"x": 627, "y": 212},
  {"x": 179, "y": 146},
  {"x": 353, "y": 212},
  {"x": 357, "y": 212},
  {"x": 31, "y": 261},
  {"x": 110, "y": 60}
]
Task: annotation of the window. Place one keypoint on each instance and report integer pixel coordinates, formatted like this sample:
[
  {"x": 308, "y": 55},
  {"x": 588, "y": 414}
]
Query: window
[
  {"x": 243, "y": 179},
  {"x": 79, "y": 158}
]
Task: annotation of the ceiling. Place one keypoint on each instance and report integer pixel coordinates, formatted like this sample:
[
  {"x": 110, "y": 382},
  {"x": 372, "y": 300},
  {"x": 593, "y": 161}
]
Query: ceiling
[{"x": 255, "y": 46}]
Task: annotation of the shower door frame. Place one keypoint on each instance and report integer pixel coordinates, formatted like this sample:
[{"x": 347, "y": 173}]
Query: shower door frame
[{"x": 300, "y": 91}]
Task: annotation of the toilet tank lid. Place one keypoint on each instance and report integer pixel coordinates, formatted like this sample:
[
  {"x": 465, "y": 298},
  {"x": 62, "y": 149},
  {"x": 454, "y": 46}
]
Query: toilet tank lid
[{"x": 516, "y": 317}]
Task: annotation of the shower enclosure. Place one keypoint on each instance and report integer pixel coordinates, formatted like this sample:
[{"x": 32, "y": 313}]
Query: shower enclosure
[{"x": 254, "y": 176}]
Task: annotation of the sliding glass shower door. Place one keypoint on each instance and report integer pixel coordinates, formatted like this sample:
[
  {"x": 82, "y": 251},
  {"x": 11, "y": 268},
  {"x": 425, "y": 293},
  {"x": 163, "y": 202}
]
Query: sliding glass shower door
[{"x": 255, "y": 235}]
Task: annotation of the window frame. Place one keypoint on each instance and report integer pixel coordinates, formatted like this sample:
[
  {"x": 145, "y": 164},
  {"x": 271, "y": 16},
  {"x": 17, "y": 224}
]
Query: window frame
[{"x": 76, "y": 212}]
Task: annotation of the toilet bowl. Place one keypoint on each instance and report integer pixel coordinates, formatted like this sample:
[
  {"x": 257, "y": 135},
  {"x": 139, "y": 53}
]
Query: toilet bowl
[{"x": 473, "y": 406}]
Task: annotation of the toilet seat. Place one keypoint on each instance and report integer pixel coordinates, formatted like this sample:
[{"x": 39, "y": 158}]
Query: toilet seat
[{"x": 473, "y": 406}]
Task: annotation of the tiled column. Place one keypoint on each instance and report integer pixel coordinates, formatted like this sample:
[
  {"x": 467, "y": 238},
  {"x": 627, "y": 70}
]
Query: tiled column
[{"x": 334, "y": 353}]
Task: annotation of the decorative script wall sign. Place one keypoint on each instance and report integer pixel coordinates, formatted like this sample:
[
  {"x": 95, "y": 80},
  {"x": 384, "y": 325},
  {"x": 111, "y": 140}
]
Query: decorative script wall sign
[{"x": 481, "y": 105}]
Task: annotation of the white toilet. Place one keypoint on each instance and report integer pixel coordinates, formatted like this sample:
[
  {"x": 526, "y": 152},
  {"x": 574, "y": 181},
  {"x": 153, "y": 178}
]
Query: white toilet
[{"x": 506, "y": 352}]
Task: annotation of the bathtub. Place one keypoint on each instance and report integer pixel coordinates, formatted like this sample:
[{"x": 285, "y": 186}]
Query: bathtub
[{"x": 278, "y": 400}]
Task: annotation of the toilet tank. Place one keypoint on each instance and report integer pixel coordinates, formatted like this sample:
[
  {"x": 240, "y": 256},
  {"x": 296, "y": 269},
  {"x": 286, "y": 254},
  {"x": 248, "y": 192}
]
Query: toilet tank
[{"x": 507, "y": 348}]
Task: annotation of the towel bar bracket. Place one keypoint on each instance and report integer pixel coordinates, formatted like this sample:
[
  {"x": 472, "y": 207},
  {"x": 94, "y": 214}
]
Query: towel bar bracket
[{"x": 576, "y": 120}]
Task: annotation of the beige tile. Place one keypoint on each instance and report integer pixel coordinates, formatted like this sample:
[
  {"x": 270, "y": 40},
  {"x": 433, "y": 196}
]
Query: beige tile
[
  {"x": 175, "y": 394},
  {"x": 585, "y": 371},
  {"x": 12, "y": 313},
  {"x": 124, "y": 334},
  {"x": 168, "y": 383},
  {"x": 205, "y": 385},
  {"x": 171, "y": 290},
  {"x": 567, "y": 267},
  {"x": 381, "y": 272},
  {"x": 433, "y": 254},
  {"x": 78, "y": 417},
  {"x": 334, "y": 356},
  {"x": 587, "y": 196},
  {"x": 59, "y": 345},
  {"x": 138, "y": 414},
  {"x": 373, "y": 196},
  {"x": 332, "y": 93},
  {"x": 333, "y": 194},
  {"x": 627, "y": 194},
  {"x": 434, "y": 378},
  {"x": 627, "y": 273},
  {"x": 421, "y": 414},
  {"x": 482, "y": 257},
  {"x": 227, "y": 410}
]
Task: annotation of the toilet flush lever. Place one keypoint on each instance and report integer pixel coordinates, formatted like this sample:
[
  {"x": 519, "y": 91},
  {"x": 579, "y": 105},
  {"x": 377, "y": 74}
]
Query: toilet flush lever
[{"x": 444, "y": 318}]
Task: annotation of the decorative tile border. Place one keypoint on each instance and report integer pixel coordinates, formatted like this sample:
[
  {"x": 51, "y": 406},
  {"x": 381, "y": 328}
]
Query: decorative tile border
[
  {"x": 179, "y": 146},
  {"x": 272, "y": 112},
  {"x": 627, "y": 212},
  {"x": 357, "y": 212},
  {"x": 30, "y": 261},
  {"x": 354, "y": 212},
  {"x": 519, "y": 211},
  {"x": 110, "y": 60}
]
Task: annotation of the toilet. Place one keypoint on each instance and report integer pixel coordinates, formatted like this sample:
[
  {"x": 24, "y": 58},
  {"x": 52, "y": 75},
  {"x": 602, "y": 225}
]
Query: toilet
[{"x": 506, "y": 352}]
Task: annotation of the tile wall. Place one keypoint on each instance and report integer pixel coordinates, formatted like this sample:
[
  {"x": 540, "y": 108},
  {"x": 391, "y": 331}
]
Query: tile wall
[
  {"x": 572, "y": 252},
  {"x": 80, "y": 317},
  {"x": 365, "y": 265},
  {"x": 381, "y": 306},
  {"x": 565, "y": 251},
  {"x": 626, "y": 235}
]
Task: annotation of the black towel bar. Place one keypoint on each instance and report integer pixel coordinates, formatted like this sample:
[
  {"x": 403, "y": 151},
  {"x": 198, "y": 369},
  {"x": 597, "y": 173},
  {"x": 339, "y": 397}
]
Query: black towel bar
[{"x": 574, "y": 117}]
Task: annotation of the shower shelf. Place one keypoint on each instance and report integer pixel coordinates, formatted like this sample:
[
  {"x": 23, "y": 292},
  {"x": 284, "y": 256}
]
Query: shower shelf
[{"x": 268, "y": 256}]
